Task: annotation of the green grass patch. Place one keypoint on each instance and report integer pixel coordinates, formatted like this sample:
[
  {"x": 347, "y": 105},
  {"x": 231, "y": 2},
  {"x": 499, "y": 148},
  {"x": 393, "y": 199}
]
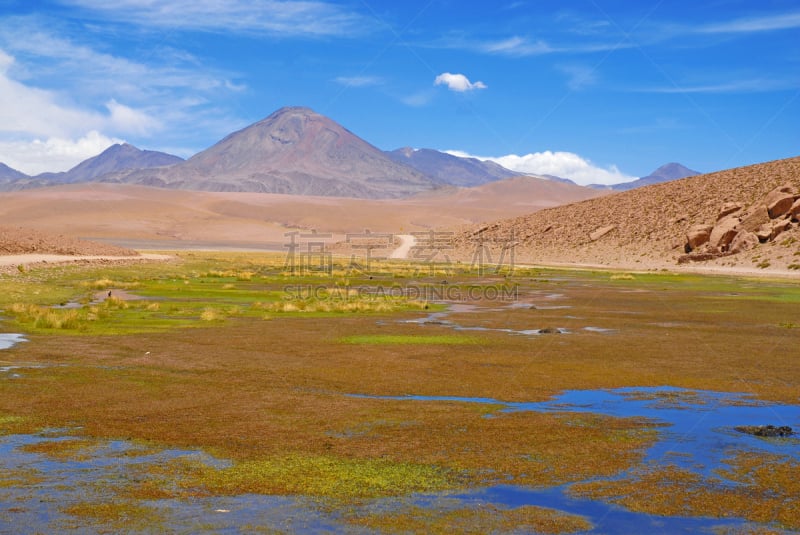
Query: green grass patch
[
  {"x": 313, "y": 475},
  {"x": 410, "y": 339}
]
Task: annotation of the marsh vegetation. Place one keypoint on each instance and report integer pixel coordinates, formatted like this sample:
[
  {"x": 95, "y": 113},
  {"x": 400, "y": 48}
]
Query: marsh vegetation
[{"x": 224, "y": 379}]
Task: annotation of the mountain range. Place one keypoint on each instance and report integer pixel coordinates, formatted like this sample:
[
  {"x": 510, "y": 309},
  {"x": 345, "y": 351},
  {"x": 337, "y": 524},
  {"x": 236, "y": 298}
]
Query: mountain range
[
  {"x": 116, "y": 158},
  {"x": 293, "y": 151},
  {"x": 448, "y": 169},
  {"x": 665, "y": 173}
]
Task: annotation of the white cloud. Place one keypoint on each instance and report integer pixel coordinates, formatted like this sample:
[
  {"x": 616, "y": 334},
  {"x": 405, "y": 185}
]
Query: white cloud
[
  {"x": 40, "y": 131},
  {"x": 56, "y": 90},
  {"x": 458, "y": 82},
  {"x": 561, "y": 164},
  {"x": 127, "y": 120},
  {"x": 31, "y": 111},
  {"x": 282, "y": 17},
  {"x": 53, "y": 154}
]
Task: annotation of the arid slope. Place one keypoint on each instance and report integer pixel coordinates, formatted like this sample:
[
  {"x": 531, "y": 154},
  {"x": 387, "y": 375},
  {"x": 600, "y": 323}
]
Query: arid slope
[{"x": 646, "y": 227}]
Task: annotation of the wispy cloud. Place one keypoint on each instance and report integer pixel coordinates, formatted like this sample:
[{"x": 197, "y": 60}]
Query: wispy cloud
[
  {"x": 62, "y": 97},
  {"x": 733, "y": 86},
  {"x": 458, "y": 82},
  {"x": 418, "y": 99},
  {"x": 560, "y": 164},
  {"x": 784, "y": 21},
  {"x": 48, "y": 50},
  {"x": 278, "y": 17},
  {"x": 516, "y": 46},
  {"x": 359, "y": 81},
  {"x": 578, "y": 76}
]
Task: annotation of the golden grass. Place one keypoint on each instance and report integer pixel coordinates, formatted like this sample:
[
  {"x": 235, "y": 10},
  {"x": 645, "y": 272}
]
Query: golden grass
[
  {"x": 313, "y": 475},
  {"x": 211, "y": 314},
  {"x": 20, "y": 477},
  {"x": 114, "y": 516},
  {"x": 64, "y": 450},
  {"x": 479, "y": 519}
]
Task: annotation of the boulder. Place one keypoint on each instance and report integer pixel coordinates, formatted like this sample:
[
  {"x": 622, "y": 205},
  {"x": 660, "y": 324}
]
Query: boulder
[
  {"x": 744, "y": 241},
  {"x": 723, "y": 233},
  {"x": 779, "y": 227},
  {"x": 764, "y": 233},
  {"x": 600, "y": 232},
  {"x": 779, "y": 201},
  {"x": 754, "y": 217},
  {"x": 727, "y": 209},
  {"x": 697, "y": 236},
  {"x": 794, "y": 211}
]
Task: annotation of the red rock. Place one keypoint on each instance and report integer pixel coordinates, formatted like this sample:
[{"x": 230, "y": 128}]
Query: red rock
[
  {"x": 764, "y": 233},
  {"x": 727, "y": 209},
  {"x": 723, "y": 233},
  {"x": 779, "y": 201},
  {"x": 795, "y": 210},
  {"x": 698, "y": 235},
  {"x": 744, "y": 241},
  {"x": 779, "y": 227}
]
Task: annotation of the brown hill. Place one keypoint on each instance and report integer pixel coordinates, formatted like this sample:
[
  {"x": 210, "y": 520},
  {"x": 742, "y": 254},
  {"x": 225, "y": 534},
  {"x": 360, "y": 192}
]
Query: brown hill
[
  {"x": 293, "y": 151},
  {"x": 646, "y": 227},
  {"x": 18, "y": 240}
]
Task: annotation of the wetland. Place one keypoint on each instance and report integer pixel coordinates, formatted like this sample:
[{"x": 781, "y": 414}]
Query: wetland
[{"x": 209, "y": 394}]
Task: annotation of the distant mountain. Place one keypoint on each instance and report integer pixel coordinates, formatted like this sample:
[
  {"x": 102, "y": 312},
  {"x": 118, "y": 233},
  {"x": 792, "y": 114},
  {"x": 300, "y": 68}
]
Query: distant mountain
[
  {"x": 665, "y": 173},
  {"x": 555, "y": 178},
  {"x": 119, "y": 157},
  {"x": 293, "y": 151},
  {"x": 448, "y": 169},
  {"x": 116, "y": 158},
  {"x": 8, "y": 174}
]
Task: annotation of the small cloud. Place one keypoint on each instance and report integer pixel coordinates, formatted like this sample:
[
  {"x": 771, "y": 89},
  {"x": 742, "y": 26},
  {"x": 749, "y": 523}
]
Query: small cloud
[
  {"x": 517, "y": 46},
  {"x": 578, "y": 76},
  {"x": 126, "y": 119},
  {"x": 458, "y": 82},
  {"x": 418, "y": 99},
  {"x": 358, "y": 81},
  {"x": 560, "y": 164}
]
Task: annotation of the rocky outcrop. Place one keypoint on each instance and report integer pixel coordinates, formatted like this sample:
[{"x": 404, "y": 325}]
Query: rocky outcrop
[
  {"x": 779, "y": 201},
  {"x": 724, "y": 232},
  {"x": 794, "y": 211},
  {"x": 737, "y": 229},
  {"x": 600, "y": 232},
  {"x": 744, "y": 241},
  {"x": 698, "y": 235},
  {"x": 728, "y": 208}
]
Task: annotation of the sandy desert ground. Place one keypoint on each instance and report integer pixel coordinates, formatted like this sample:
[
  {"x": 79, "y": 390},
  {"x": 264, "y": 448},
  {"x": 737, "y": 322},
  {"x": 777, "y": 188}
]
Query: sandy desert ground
[{"x": 157, "y": 218}]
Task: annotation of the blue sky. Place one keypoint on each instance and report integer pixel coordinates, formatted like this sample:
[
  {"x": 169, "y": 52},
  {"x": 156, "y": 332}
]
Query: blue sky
[{"x": 597, "y": 90}]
